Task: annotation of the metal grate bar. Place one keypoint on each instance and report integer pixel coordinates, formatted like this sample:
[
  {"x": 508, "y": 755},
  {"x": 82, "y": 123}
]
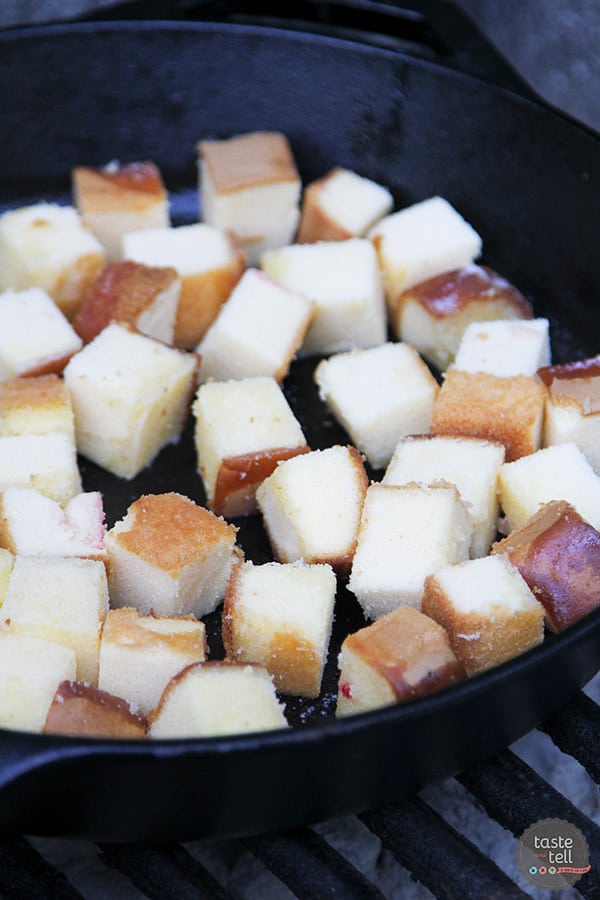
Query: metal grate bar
[
  {"x": 576, "y": 730},
  {"x": 25, "y": 875},
  {"x": 436, "y": 855},
  {"x": 310, "y": 867}
]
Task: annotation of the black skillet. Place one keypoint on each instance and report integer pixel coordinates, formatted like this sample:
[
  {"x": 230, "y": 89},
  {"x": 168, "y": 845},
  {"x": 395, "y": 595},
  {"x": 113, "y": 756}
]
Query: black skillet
[{"x": 524, "y": 176}]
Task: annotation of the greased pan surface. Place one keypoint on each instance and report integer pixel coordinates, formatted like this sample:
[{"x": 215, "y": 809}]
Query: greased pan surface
[{"x": 527, "y": 180}]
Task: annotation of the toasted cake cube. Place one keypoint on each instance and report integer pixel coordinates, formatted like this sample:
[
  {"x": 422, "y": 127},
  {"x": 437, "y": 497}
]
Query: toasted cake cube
[
  {"x": 209, "y": 262},
  {"x": 249, "y": 184},
  {"x": 505, "y": 347},
  {"x": 32, "y": 524},
  {"x": 560, "y": 472},
  {"x": 402, "y": 655},
  {"x": 217, "y": 698},
  {"x": 509, "y": 411},
  {"x": 145, "y": 297},
  {"x": 433, "y": 314},
  {"x": 311, "y": 506},
  {"x": 343, "y": 280},
  {"x": 37, "y": 405},
  {"x": 406, "y": 533},
  {"x": 169, "y": 556},
  {"x": 47, "y": 246},
  {"x": 35, "y": 337},
  {"x": 46, "y": 462},
  {"x": 31, "y": 670},
  {"x": 81, "y": 710},
  {"x": 243, "y": 428},
  {"x": 487, "y": 609},
  {"x": 7, "y": 561},
  {"x": 379, "y": 396},
  {"x": 341, "y": 205},
  {"x": 422, "y": 241},
  {"x": 120, "y": 197},
  {"x": 573, "y": 406},
  {"x": 131, "y": 397},
  {"x": 471, "y": 464},
  {"x": 139, "y": 654},
  {"x": 60, "y": 600},
  {"x": 280, "y": 616}
]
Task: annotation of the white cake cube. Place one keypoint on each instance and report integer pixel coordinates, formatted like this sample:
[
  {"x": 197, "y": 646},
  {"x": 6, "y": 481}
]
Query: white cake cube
[
  {"x": 37, "y": 405},
  {"x": 7, "y": 561},
  {"x": 504, "y": 347},
  {"x": 257, "y": 332},
  {"x": 46, "y": 462},
  {"x": 406, "y": 533},
  {"x": 341, "y": 205},
  {"x": 344, "y": 281},
  {"x": 573, "y": 407},
  {"x": 379, "y": 396}
]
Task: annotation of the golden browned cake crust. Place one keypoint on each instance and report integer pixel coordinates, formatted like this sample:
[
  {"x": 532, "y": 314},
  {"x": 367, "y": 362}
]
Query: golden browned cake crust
[
  {"x": 85, "y": 711},
  {"x": 132, "y": 186},
  {"x": 315, "y": 225},
  {"x": 574, "y": 383},
  {"x": 239, "y": 476},
  {"x": 71, "y": 288},
  {"x": 43, "y": 390},
  {"x": 126, "y": 626},
  {"x": 261, "y": 157}
]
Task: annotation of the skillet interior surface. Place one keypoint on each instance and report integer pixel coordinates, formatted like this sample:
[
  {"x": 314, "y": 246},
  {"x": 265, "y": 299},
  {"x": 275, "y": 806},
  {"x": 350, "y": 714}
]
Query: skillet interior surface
[{"x": 527, "y": 180}]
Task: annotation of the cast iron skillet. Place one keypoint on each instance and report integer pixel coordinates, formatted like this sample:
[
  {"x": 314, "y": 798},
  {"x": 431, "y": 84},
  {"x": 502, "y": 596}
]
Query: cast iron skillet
[{"x": 525, "y": 177}]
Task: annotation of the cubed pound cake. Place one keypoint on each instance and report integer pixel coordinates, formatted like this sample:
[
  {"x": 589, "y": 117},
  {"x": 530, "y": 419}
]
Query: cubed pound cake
[
  {"x": 139, "y": 654},
  {"x": 7, "y": 561},
  {"x": 402, "y": 655},
  {"x": 36, "y": 405},
  {"x": 209, "y": 262},
  {"x": 508, "y": 411},
  {"x": 258, "y": 331},
  {"x": 82, "y": 710},
  {"x": 118, "y": 198},
  {"x": 130, "y": 396},
  {"x": 145, "y": 297},
  {"x": 379, "y": 396},
  {"x": 169, "y": 556},
  {"x": 311, "y": 506},
  {"x": 280, "y": 616},
  {"x": 341, "y": 205},
  {"x": 249, "y": 184},
  {"x": 343, "y": 280},
  {"x": 217, "y": 698},
  {"x": 558, "y": 554},
  {"x": 573, "y": 406},
  {"x": 434, "y": 314},
  {"x": 242, "y": 429},
  {"x": 406, "y": 533},
  {"x": 504, "y": 347},
  {"x": 471, "y": 464},
  {"x": 60, "y": 600},
  {"x": 35, "y": 337},
  {"x": 47, "y": 246},
  {"x": 487, "y": 609},
  {"x": 45, "y": 462}
]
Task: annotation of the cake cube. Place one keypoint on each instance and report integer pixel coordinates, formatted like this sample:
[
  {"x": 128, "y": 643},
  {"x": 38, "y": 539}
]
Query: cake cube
[
  {"x": 249, "y": 184},
  {"x": 130, "y": 396},
  {"x": 118, "y": 198},
  {"x": 341, "y": 205},
  {"x": 379, "y": 396},
  {"x": 170, "y": 556},
  {"x": 37, "y": 405},
  {"x": 421, "y": 241},
  {"x": 280, "y": 616},
  {"x": 402, "y": 655},
  {"x": 558, "y": 554},
  {"x": 32, "y": 524},
  {"x": 144, "y": 297},
  {"x": 258, "y": 331},
  {"x": 487, "y": 609},
  {"x": 504, "y": 347},
  {"x": 217, "y": 698},
  {"x": 560, "y": 472},
  {"x": 509, "y": 411},
  {"x": 31, "y": 670},
  {"x": 343, "y": 280},
  {"x": 433, "y": 314},
  {"x": 81, "y": 710},
  {"x": 406, "y": 533},
  {"x": 471, "y": 464},
  {"x": 35, "y": 337},
  {"x": 46, "y": 462},
  {"x": 573, "y": 406},
  {"x": 209, "y": 262},
  {"x": 47, "y": 246},
  {"x": 139, "y": 654},
  {"x": 60, "y": 600},
  {"x": 7, "y": 561},
  {"x": 243, "y": 428},
  {"x": 311, "y": 507}
]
